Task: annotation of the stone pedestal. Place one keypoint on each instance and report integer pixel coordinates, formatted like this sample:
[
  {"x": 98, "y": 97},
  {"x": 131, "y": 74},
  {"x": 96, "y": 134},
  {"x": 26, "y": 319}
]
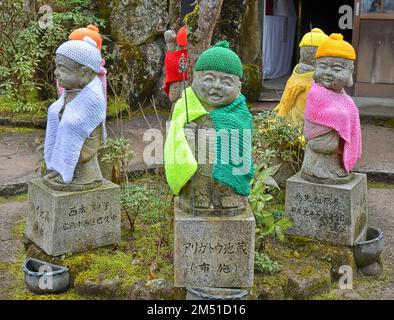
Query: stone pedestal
[
  {"x": 336, "y": 214},
  {"x": 60, "y": 222},
  {"x": 216, "y": 294},
  {"x": 216, "y": 252}
]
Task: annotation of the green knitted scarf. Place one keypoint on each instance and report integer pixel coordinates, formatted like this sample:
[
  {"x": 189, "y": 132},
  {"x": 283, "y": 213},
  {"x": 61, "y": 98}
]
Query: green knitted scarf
[
  {"x": 179, "y": 162},
  {"x": 235, "y": 120}
]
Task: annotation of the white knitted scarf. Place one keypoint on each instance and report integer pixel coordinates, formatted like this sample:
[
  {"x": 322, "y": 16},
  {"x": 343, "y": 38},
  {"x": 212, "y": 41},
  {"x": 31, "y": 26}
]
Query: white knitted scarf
[{"x": 64, "y": 139}]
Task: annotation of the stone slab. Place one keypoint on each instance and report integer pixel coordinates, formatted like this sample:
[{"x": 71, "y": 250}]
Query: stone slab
[
  {"x": 335, "y": 214},
  {"x": 213, "y": 251},
  {"x": 61, "y": 222}
]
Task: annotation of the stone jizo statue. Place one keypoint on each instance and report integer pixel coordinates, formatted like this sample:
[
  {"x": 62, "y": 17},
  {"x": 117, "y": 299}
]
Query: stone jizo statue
[
  {"x": 332, "y": 124},
  {"x": 207, "y": 184},
  {"x": 292, "y": 103},
  {"x": 75, "y": 125},
  {"x": 175, "y": 46}
]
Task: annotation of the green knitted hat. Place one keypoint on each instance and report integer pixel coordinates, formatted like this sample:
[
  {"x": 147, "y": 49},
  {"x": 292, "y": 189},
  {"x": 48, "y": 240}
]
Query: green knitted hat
[{"x": 220, "y": 58}]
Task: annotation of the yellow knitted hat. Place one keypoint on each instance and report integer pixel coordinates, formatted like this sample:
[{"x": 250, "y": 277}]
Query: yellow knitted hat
[
  {"x": 335, "y": 46},
  {"x": 314, "y": 38}
]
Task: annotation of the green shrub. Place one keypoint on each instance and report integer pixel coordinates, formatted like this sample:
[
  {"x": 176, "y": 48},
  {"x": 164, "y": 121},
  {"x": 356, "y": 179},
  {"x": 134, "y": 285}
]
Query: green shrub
[
  {"x": 27, "y": 59},
  {"x": 270, "y": 222},
  {"x": 277, "y": 140},
  {"x": 118, "y": 152},
  {"x": 265, "y": 264}
]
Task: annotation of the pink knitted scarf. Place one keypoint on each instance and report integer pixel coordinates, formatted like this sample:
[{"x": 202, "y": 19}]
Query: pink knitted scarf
[{"x": 337, "y": 111}]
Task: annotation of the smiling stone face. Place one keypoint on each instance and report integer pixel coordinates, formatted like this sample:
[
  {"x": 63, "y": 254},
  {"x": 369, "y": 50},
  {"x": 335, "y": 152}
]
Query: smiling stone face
[
  {"x": 215, "y": 88},
  {"x": 334, "y": 73}
]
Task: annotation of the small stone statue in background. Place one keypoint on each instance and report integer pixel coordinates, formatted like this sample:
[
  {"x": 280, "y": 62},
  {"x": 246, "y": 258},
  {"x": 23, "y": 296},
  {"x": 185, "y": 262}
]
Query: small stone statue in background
[
  {"x": 175, "y": 46},
  {"x": 292, "y": 103},
  {"x": 332, "y": 123},
  {"x": 214, "y": 109},
  {"x": 75, "y": 125}
]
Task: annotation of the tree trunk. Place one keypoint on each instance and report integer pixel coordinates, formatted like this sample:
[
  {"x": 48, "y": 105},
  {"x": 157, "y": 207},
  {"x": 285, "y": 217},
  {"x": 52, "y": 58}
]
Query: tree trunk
[
  {"x": 200, "y": 32},
  {"x": 174, "y": 10}
]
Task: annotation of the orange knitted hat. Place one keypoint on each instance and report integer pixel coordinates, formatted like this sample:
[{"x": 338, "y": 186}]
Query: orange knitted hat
[
  {"x": 181, "y": 37},
  {"x": 335, "y": 46},
  {"x": 90, "y": 31}
]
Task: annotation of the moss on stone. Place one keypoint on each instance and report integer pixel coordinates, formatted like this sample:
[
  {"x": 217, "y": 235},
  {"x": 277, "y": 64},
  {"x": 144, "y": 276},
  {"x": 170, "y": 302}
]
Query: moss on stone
[
  {"x": 278, "y": 251},
  {"x": 389, "y": 122},
  {"x": 334, "y": 255},
  {"x": 132, "y": 63},
  {"x": 251, "y": 82},
  {"x": 379, "y": 185},
  {"x": 269, "y": 287},
  {"x": 306, "y": 278},
  {"x": 19, "y": 198},
  {"x": 190, "y": 20},
  {"x": 9, "y": 129},
  {"x": 18, "y": 289},
  {"x": 386, "y": 122},
  {"x": 136, "y": 264},
  {"x": 19, "y": 229},
  {"x": 130, "y": 51},
  {"x": 329, "y": 296},
  {"x": 104, "y": 12}
]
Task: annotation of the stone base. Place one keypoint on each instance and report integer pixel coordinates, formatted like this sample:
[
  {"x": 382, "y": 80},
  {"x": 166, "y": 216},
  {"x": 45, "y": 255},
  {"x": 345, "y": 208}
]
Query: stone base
[
  {"x": 335, "y": 214},
  {"x": 214, "y": 252},
  {"x": 216, "y": 294},
  {"x": 61, "y": 222}
]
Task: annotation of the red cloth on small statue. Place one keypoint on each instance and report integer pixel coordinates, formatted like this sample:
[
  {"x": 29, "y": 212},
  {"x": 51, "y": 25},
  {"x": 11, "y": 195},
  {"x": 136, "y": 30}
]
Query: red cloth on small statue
[{"x": 171, "y": 64}]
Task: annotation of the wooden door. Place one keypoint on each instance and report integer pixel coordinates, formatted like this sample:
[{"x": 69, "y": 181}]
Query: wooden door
[{"x": 373, "y": 39}]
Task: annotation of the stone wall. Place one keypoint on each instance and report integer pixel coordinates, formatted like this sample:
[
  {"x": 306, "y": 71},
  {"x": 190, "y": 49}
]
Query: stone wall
[{"x": 136, "y": 28}]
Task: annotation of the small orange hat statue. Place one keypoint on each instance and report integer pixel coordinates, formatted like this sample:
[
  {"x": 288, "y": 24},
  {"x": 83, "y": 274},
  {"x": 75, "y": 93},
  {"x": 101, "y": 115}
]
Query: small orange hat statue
[
  {"x": 90, "y": 31},
  {"x": 181, "y": 37}
]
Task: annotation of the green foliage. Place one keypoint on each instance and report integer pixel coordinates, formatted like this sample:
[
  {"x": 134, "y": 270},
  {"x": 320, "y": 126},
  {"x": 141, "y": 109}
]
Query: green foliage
[
  {"x": 251, "y": 82},
  {"x": 133, "y": 198},
  {"x": 116, "y": 106},
  {"x": 276, "y": 138},
  {"x": 27, "y": 47},
  {"x": 119, "y": 153},
  {"x": 147, "y": 200},
  {"x": 270, "y": 221},
  {"x": 18, "y": 55},
  {"x": 265, "y": 264},
  {"x": 190, "y": 20}
]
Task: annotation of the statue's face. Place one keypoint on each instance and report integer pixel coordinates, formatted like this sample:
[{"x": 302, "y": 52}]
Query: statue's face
[
  {"x": 334, "y": 73},
  {"x": 215, "y": 89},
  {"x": 72, "y": 75},
  {"x": 307, "y": 55}
]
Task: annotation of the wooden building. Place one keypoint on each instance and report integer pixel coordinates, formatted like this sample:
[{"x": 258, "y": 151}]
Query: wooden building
[
  {"x": 373, "y": 39},
  {"x": 371, "y": 32}
]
